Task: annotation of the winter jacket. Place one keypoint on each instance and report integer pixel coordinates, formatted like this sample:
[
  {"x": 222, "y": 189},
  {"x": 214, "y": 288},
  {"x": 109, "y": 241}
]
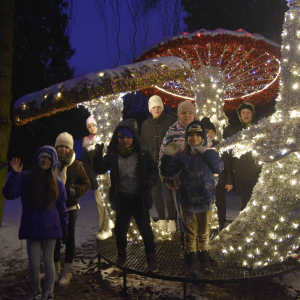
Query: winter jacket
[
  {"x": 197, "y": 189},
  {"x": 38, "y": 223},
  {"x": 147, "y": 168},
  {"x": 153, "y": 133},
  {"x": 226, "y": 175},
  {"x": 175, "y": 134},
  {"x": 244, "y": 167},
  {"x": 87, "y": 161}
]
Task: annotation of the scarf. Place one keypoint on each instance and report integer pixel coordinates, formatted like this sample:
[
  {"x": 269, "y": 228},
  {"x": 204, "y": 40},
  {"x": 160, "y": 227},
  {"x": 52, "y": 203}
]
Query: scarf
[
  {"x": 125, "y": 152},
  {"x": 61, "y": 170}
]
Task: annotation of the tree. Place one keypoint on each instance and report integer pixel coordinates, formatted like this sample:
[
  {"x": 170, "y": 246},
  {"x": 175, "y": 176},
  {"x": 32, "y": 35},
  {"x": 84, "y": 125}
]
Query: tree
[
  {"x": 255, "y": 16},
  {"x": 6, "y": 58},
  {"x": 41, "y": 53}
]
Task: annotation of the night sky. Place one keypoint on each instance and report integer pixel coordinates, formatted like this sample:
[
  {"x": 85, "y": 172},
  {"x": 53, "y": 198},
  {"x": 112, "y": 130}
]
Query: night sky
[{"x": 88, "y": 38}]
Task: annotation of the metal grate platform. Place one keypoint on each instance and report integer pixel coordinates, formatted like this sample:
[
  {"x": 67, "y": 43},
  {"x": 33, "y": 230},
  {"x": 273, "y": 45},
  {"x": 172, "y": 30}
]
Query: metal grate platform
[{"x": 171, "y": 264}]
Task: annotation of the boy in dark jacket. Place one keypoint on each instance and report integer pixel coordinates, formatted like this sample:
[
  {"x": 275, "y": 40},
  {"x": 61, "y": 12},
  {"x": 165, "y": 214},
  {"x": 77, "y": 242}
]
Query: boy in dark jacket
[
  {"x": 225, "y": 177},
  {"x": 133, "y": 173},
  {"x": 197, "y": 164}
]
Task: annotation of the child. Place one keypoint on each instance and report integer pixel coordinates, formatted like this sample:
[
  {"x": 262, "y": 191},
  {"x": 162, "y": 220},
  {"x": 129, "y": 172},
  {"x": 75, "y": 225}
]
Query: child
[
  {"x": 152, "y": 135},
  {"x": 44, "y": 215},
  {"x": 133, "y": 173},
  {"x": 87, "y": 161},
  {"x": 197, "y": 164},
  {"x": 225, "y": 177},
  {"x": 77, "y": 184}
]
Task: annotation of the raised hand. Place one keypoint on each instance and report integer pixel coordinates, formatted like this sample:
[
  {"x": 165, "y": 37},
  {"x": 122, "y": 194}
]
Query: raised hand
[
  {"x": 99, "y": 149},
  {"x": 171, "y": 149},
  {"x": 15, "y": 164}
]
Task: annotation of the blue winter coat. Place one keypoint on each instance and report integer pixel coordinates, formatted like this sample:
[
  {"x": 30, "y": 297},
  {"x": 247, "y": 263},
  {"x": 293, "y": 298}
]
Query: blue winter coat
[
  {"x": 197, "y": 189},
  {"x": 38, "y": 223}
]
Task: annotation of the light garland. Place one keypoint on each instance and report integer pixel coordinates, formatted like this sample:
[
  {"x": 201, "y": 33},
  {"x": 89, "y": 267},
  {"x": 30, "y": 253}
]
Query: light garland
[
  {"x": 107, "y": 112},
  {"x": 267, "y": 230}
]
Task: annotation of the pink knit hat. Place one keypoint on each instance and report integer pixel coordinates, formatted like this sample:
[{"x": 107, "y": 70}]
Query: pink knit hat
[
  {"x": 90, "y": 120},
  {"x": 186, "y": 106}
]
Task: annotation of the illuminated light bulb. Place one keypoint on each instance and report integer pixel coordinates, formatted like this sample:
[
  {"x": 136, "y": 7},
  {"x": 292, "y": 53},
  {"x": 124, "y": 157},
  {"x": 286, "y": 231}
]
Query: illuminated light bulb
[
  {"x": 295, "y": 225},
  {"x": 287, "y": 47},
  {"x": 101, "y": 74},
  {"x": 272, "y": 157},
  {"x": 248, "y": 240},
  {"x": 276, "y": 227},
  {"x": 259, "y": 263},
  {"x": 264, "y": 207},
  {"x": 231, "y": 248},
  {"x": 266, "y": 244},
  {"x": 245, "y": 263},
  {"x": 295, "y": 171},
  {"x": 224, "y": 251},
  {"x": 252, "y": 233},
  {"x": 240, "y": 248},
  {"x": 107, "y": 124},
  {"x": 263, "y": 216},
  {"x": 250, "y": 255},
  {"x": 58, "y": 95},
  {"x": 282, "y": 219},
  {"x": 45, "y": 97},
  {"x": 294, "y": 182},
  {"x": 295, "y": 86}
]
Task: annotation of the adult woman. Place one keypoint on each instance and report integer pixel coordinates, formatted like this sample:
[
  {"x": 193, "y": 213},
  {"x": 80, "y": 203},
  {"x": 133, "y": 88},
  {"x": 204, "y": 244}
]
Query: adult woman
[
  {"x": 77, "y": 184},
  {"x": 176, "y": 133},
  {"x": 44, "y": 214},
  {"x": 153, "y": 132},
  {"x": 87, "y": 161}
]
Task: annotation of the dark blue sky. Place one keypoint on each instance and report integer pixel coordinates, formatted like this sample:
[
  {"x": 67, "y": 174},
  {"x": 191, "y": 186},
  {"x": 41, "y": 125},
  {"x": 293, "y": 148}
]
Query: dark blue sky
[{"x": 88, "y": 38}]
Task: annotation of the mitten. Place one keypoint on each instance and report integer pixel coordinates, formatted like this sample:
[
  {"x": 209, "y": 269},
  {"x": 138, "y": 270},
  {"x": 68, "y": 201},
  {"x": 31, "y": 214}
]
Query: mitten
[
  {"x": 171, "y": 149},
  {"x": 99, "y": 149}
]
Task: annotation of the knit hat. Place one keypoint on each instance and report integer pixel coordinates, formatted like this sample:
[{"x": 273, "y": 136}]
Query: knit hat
[
  {"x": 247, "y": 105},
  {"x": 122, "y": 132},
  {"x": 186, "y": 106},
  {"x": 195, "y": 128},
  {"x": 49, "y": 150},
  {"x": 64, "y": 139},
  {"x": 208, "y": 124},
  {"x": 90, "y": 120},
  {"x": 155, "y": 101},
  {"x": 44, "y": 153}
]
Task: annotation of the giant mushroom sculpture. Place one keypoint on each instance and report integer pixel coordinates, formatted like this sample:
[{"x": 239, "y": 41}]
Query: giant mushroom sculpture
[
  {"x": 227, "y": 68},
  {"x": 101, "y": 92}
]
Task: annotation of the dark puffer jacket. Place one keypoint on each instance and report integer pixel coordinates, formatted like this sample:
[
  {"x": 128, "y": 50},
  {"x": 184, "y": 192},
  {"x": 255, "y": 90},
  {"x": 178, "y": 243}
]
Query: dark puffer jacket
[
  {"x": 197, "y": 189},
  {"x": 153, "y": 133},
  {"x": 226, "y": 175},
  {"x": 38, "y": 223},
  {"x": 147, "y": 168}
]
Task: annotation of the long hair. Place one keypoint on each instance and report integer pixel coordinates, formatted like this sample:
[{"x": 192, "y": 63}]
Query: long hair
[
  {"x": 48, "y": 195},
  {"x": 186, "y": 149}
]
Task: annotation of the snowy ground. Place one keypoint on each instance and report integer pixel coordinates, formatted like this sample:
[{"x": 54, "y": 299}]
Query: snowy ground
[{"x": 13, "y": 255}]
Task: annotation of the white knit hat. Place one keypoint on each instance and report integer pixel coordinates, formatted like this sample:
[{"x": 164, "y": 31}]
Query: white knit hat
[
  {"x": 64, "y": 139},
  {"x": 90, "y": 120},
  {"x": 155, "y": 101}
]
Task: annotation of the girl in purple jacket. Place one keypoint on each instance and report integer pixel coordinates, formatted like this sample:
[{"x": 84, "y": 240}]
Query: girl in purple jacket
[{"x": 44, "y": 215}]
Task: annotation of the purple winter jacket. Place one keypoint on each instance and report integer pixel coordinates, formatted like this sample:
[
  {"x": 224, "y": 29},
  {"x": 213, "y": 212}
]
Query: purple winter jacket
[{"x": 37, "y": 223}]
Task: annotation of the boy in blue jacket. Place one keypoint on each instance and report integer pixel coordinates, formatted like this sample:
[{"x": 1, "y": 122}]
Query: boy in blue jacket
[
  {"x": 197, "y": 164},
  {"x": 133, "y": 173}
]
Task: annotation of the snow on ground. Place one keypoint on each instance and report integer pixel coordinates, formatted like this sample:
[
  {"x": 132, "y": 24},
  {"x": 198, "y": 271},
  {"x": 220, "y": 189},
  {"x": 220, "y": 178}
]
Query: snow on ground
[{"x": 13, "y": 249}]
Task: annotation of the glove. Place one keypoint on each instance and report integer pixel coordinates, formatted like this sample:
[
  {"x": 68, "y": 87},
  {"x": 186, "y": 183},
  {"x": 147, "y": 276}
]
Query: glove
[
  {"x": 148, "y": 184},
  {"x": 171, "y": 149},
  {"x": 99, "y": 149},
  {"x": 64, "y": 236}
]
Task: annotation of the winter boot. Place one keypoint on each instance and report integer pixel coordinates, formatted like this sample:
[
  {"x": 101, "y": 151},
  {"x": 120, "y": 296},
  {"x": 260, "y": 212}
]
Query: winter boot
[
  {"x": 48, "y": 296},
  {"x": 57, "y": 271},
  {"x": 204, "y": 262},
  {"x": 121, "y": 260},
  {"x": 190, "y": 264},
  {"x": 152, "y": 263},
  {"x": 66, "y": 275},
  {"x": 36, "y": 295}
]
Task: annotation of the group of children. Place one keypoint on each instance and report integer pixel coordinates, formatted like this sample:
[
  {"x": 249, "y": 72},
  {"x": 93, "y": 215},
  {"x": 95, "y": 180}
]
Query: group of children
[{"x": 179, "y": 152}]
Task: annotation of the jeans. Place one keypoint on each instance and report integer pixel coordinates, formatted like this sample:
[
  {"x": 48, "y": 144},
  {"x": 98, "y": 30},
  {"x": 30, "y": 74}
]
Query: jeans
[
  {"x": 70, "y": 240},
  {"x": 176, "y": 196}
]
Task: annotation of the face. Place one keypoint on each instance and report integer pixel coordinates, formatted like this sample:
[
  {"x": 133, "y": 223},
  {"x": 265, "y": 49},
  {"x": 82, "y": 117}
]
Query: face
[
  {"x": 211, "y": 134},
  {"x": 194, "y": 139},
  {"x": 45, "y": 163},
  {"x": 125, "y": 142},
  {"x": 62, "y": 151},
  {"x": 156, "y": 111},
  {"x": 186, "y": 118},
  {"x": 92, "y": 128},
  {"x": 246, "y": 115}
]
